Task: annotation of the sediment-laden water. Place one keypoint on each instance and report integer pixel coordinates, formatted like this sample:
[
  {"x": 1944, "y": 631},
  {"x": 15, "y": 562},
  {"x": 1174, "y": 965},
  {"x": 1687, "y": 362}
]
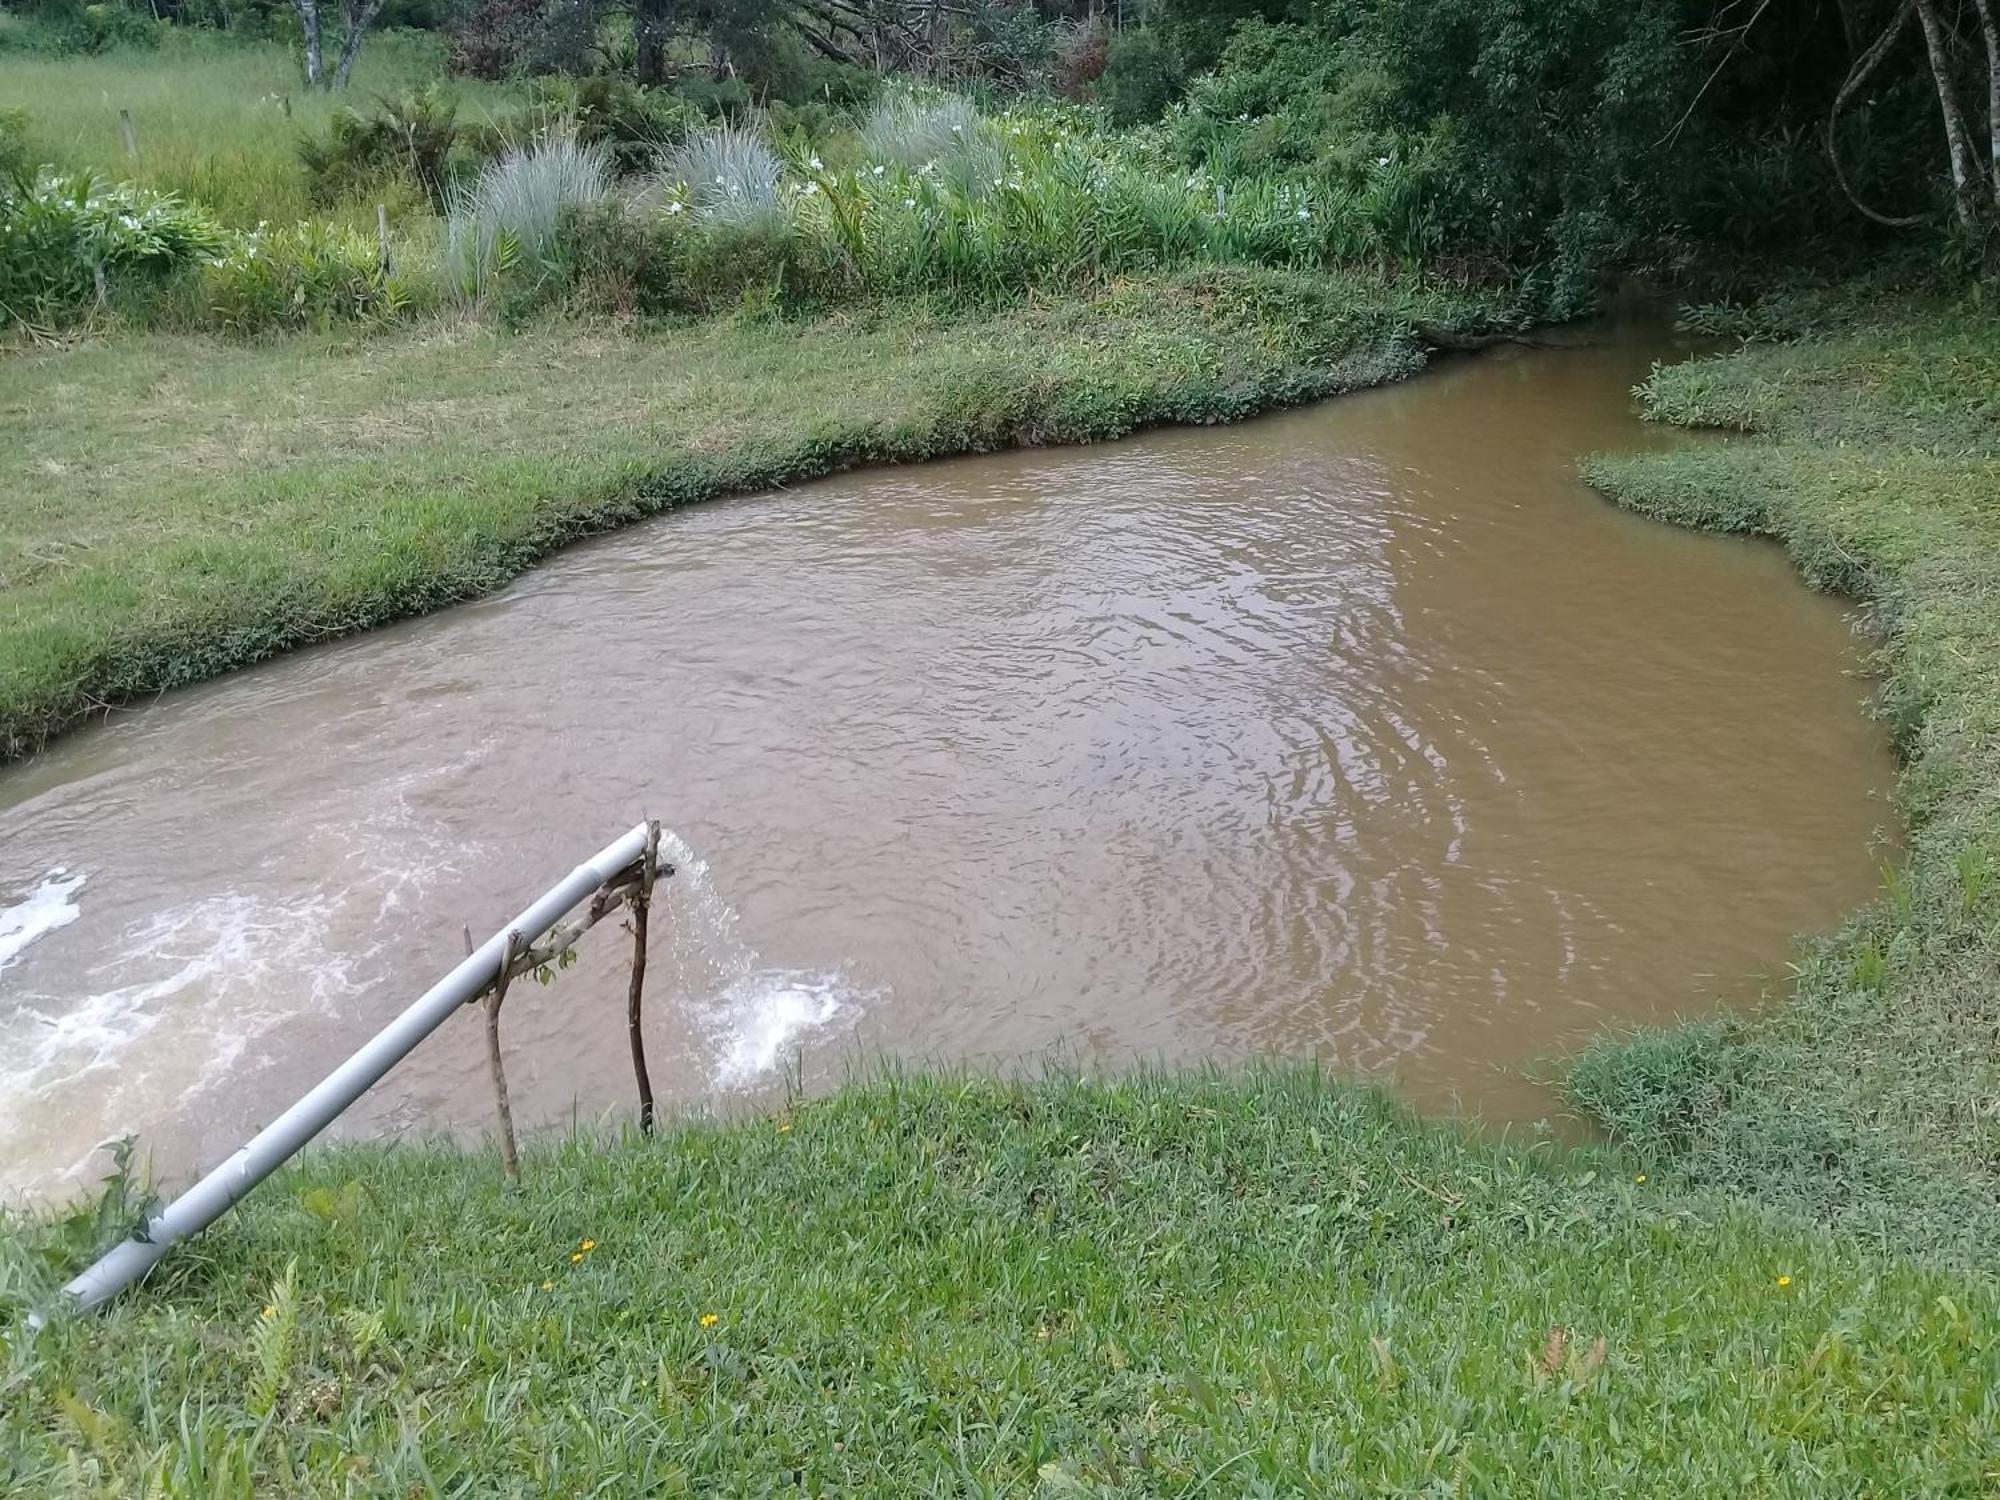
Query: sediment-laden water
[{"x": 1364, "y": 731}]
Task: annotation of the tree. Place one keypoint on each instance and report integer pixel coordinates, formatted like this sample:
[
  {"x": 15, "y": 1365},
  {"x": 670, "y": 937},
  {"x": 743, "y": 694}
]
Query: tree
[
  {"x": 356, "y": 16},
  {"x": 1975, "y": 189},
  {"x": 652, "y": 25}
]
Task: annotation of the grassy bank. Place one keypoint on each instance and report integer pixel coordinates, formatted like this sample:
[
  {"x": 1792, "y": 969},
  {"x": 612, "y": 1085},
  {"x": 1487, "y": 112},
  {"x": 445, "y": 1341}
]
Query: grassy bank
[
  {"x": 171, "y": 508},
  {"x": 1872, "y": 1099},
  {"x": 1192, "y": 1285}
]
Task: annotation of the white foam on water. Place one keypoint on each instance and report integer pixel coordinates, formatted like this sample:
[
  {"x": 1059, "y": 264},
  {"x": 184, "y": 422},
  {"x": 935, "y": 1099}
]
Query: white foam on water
[
  {"x": 751, "y": 1013},
  {"x": 757, "y": 1018},
  {"x": 185, "y": 997},
  {"x": 47, "y": 907}
]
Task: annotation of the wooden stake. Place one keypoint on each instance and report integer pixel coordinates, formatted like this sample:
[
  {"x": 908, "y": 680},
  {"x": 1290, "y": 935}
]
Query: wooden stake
[
  {"x": 131, "y": 135},
  {"x": 382, "y": 233},
  {"x": 510, "y": 1160},
  {"x": 641, "y": 902}
]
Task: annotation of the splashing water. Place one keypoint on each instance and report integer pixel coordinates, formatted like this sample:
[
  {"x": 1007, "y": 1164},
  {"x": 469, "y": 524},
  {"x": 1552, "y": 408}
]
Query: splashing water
[
  {"x": 748, "y": 1013},
  {"x": 47, "y": 907}
]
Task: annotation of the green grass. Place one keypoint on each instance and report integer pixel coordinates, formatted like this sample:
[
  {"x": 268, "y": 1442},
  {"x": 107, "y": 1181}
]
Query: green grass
[
  {"x": 210, "y": 115},
  {"x": 1868, "y": 1100},
  {"x": 1192, "y": 1285},
  {"x": 171, "y": 508}
]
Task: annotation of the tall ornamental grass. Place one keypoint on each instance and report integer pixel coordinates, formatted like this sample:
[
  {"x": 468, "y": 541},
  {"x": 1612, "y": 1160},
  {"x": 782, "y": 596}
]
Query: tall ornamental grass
[
  {"x": 727, "y": 174},
  {"x": 513, "y": 215}
]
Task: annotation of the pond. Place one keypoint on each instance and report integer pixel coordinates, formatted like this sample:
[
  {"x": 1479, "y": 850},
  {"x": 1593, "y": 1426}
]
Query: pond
[{"x": 1363, "y": 732}]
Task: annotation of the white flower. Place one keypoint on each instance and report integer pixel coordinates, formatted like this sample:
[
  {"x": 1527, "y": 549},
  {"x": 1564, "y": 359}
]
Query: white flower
[
  {"x": 1381, "y": 161},
  {"x": 674, "y": 208},
  {"x": 1305, "y": 213},
  {"x": 720, "y": 183},
  {"x": 808, "y": 190},
  {"x": 817, "y": 165},
  {"x": 958, "y": 130},
  {"x": 909, "y": 203},
  {"x": 878, "y": 169}
]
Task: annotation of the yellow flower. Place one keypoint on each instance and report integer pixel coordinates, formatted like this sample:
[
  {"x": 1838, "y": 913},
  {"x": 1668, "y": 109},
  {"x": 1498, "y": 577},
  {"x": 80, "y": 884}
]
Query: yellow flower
[
  {"x": 548, "y": 1286},
  {"x": 268, "y": 1312},
  {"x": 709, "y": 1320},
  {"x": 587, "y": 1245},
  {"x": 1640, "y": 1178},
  {"x": 783, "y": 1126},
  {"x": 577, "y": 1256},
  {"x": 1784, "y": 1281}
]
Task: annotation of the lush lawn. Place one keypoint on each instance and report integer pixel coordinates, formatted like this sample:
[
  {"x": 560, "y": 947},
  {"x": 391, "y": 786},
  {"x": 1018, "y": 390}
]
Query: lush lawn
[
  {"x": 1872, "y": 1100},
  {"x": 1177, "y": 1286},
  {"x": 170, "y": 508},
  {"x": 217, "y": 121}
]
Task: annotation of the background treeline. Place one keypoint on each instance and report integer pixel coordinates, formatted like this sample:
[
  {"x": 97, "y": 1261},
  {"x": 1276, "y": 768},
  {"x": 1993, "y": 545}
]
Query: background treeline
[{"x": 680, "y": 155}]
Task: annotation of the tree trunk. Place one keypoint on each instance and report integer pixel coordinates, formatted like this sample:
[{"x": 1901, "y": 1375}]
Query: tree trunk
[
  {"x": 1991, "y": 31},
  {"x": 652, "y": 24},
  {"x": 1958, "y": 139},
  {"x": 309, "y": 23},
  {"x": 1864, "y": 65},
  {"x": 358, "y": 20}
]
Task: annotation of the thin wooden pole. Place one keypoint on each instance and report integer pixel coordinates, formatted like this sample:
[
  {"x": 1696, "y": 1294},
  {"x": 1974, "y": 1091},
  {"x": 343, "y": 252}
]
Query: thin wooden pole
[
  {"x": 382, "y": 234},
  {"x": 510, "y": 1159},
  {"x": 641, "y": 902},
  {"x": 126, "y": 129}
]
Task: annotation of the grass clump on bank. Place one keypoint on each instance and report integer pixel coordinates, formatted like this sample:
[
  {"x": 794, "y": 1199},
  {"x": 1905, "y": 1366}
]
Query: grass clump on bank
[
  {"x": 1871, "y": 449},
  {"x": 174, "y": 507},
  {"x": 1261, "y": 1284}
]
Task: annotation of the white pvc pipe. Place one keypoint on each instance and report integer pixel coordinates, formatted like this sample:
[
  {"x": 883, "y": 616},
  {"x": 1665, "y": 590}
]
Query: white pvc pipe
[{"x": 213, "y": 1196}]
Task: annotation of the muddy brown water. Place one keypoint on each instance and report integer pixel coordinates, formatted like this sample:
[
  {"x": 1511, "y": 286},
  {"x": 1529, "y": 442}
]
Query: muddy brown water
[{"x": 1363, "y": 731}]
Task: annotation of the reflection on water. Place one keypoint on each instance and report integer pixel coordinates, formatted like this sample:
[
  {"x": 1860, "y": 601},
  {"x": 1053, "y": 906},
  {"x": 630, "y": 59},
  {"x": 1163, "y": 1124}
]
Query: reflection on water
[{"x": 1363, "y": 731}]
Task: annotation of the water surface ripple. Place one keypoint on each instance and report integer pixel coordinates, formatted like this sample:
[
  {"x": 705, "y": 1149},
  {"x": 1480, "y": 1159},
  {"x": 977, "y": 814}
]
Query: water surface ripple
[{"x": 1363, "y": 731}]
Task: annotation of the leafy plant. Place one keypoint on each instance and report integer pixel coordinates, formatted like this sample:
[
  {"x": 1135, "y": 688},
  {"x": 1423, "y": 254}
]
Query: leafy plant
[
  {"x": 312, "y": 275},
  {"x": 65, "y": 242},
  {"x": 411, "y": 137}
]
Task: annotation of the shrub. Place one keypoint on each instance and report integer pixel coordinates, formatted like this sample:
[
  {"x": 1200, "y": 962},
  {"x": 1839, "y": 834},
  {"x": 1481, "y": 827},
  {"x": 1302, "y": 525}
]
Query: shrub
[
  {"x": 411, "y": 138},
  {"x": 1080, "y": 57},
  {"x": 309, "y": 276},
  {"x": 513, "y": 215},
  {"x": 67, "y": 242},
  {"x": 64, "y": 29},
  {"x": 633, "y": 123},
  {"x": 14, "y": 159},
  {"x": 1140, "y": 77}
]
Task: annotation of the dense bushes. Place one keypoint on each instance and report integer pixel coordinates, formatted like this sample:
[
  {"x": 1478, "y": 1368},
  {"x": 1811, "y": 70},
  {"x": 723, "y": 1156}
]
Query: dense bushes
[
  {"x": 1556, "y": 139},
  {"x": 68, "y": 243},
  {"x": 66, "y": 28},
  {"x": 944, "y": 201},
  {"x": 925, "y": 196}
]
